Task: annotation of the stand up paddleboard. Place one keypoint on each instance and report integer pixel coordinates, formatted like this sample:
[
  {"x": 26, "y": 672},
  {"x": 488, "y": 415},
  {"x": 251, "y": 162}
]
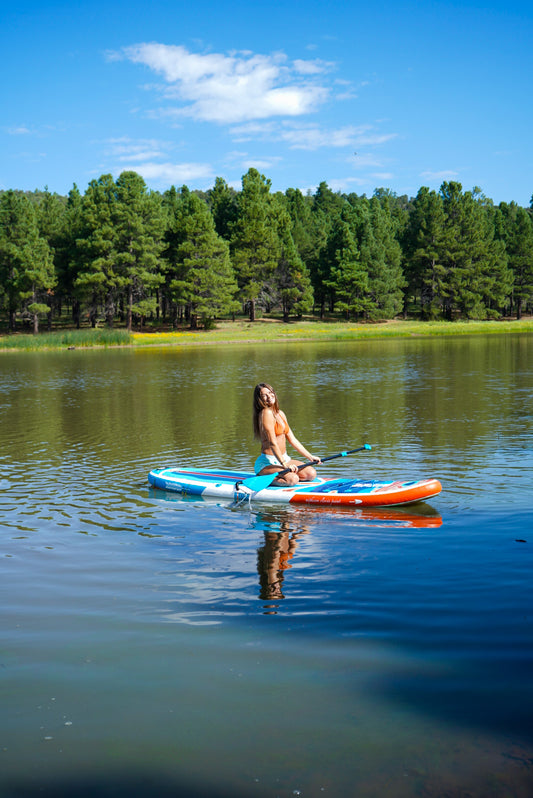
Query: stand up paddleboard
[{"x": 232, "y": 485}]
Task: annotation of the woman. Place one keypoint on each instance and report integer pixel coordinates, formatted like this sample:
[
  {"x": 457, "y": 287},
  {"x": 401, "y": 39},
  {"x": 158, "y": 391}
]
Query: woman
[{"x": 272, "y": 429}]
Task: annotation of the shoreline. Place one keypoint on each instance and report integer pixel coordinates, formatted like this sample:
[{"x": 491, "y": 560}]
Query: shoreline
[{"x": 262, "y": 331}]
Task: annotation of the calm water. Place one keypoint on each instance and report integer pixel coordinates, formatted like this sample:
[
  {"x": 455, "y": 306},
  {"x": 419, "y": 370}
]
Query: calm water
[{"x": 157, "y": 646}]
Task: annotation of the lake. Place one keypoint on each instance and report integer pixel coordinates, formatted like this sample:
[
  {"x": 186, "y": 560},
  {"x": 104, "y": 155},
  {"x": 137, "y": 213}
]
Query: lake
[{"x": 154, "y": 645}]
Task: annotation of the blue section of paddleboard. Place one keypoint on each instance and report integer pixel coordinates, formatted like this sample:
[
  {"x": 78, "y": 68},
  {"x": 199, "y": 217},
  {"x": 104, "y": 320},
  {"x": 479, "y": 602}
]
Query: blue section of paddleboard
[
  {"x": 352, "y": 485},
  {"x": 196, "y": 480}
]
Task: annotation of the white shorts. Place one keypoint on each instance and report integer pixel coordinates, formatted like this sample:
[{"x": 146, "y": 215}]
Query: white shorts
[{"x": 265, "y": 460}]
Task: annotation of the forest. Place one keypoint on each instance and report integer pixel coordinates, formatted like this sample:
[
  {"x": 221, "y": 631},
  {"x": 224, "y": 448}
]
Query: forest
[{"x": 121, "y": 254}]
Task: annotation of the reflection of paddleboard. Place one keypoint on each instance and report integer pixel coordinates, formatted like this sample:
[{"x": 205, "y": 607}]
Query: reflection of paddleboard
[
  {"x": 281, "y": 519},
  {"x": 423, "y": 516},
  {"x": 345, "y": 492}
]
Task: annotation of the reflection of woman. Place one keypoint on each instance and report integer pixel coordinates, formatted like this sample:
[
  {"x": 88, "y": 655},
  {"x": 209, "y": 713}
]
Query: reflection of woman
[
  {"x": 272, "y": 428},
  {"x": 274, "y": 557},
  {"x": 272, "y": 560}
]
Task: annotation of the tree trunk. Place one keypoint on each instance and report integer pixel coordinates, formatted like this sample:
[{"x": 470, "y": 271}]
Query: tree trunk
[
  {"x": 76, "y": 313},
  {"x": 252, "y": 309},
  {"x": 109, "y": 311},
  {"x": 128, "y": 312}
]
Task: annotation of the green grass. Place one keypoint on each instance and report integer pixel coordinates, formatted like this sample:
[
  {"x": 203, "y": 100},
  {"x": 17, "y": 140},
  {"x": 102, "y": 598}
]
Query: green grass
[
  {"x": 315, "y": 330},
  {"x": 66, "y": 339},
  {"x": 263, "y": 330}
]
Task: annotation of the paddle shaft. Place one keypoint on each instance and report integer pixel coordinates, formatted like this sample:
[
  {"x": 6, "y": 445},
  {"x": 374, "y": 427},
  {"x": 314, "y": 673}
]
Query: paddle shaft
[
  {"x": 264, "y": 480},
  {"x": 323, "y": 460}
]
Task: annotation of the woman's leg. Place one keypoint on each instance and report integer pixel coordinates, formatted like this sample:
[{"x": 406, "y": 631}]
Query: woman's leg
[
  {"x": 306, "y": 474},
  {"x": 290, "y": 478}
]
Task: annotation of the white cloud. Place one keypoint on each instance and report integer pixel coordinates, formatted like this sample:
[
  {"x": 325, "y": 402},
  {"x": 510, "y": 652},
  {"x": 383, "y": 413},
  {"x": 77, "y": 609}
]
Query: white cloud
[
  {"x": 125, "y": 149},
  {"x": 150, "y": 158},
  {"x": 349, "y": 94},
  {"x": 346, "y": 183},
  {"x": 316, "y": 67},
  {"x": 40, "y": 131},
  {"x": 373, "y": 139},
  {"x": 446, "y": 174},
  {"x": 254, "y": 130},
  {"x": 364, "y": 160},
  {"x": 169, "y": 173},
  {"x": 232, "y": 88},
  {"x": 245, "y": 161},
  {"x": 347, "y": 91},
  {"x": 311, "y": 137},
  {"x": 260, "y": 163},
  {"x": 235, "y": 155},
  {"x": 20, "y": 130}
]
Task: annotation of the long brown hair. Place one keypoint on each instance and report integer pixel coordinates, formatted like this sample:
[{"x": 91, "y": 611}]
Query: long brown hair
[{"x": 259, "y": 405}]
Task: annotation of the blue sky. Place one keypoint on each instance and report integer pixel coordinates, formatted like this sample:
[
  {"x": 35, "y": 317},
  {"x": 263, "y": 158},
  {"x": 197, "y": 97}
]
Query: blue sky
[{"x": 392, "y": 94}]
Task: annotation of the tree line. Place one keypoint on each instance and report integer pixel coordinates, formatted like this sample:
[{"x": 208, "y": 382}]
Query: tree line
[{"x": 121, "y": 251}]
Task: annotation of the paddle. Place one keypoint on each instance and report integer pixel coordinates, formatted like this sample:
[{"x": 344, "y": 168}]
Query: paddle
[{"x": 256, "y": 484}]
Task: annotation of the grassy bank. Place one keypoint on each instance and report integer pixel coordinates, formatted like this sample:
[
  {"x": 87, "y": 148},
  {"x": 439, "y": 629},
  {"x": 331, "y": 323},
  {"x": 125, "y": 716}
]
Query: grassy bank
[
  {"x": 274, "y": 331},
  {"x": 264, "y": 330},
  {"x": 65, "y": 339}
]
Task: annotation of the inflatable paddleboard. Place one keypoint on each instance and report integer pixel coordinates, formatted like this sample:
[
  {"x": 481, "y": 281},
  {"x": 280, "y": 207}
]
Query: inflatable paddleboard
[{"x": 224, "y": 484}]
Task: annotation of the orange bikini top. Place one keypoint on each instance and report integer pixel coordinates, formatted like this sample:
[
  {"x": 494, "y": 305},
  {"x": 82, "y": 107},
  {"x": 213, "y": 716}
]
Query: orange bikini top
[{"x": 279, "y": 429}]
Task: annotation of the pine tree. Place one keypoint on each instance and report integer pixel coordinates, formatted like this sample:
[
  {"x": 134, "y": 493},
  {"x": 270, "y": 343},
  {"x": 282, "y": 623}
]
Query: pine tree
[
  {"x": 348, "y": 277},
  {"x": 26, "y": 265},
  {"x": 139, "y": 222},
  {"x": 517, "y": 234},
  {"x": 50, "y": 212},
  {"x": 496, "y": 277},
  {"x": 326, "y": 209},
  {"x": 291, "y": 276},
  {"x": 67, "y": 255},
  {"x": 470, "y": 256},
  {"x": 423, "y": 243},
  {"x": 328, "y": 202},
  {"x": 385, "y": 275},
  {"x": 206, "y": 282},
  {"x": 177, "y": 204},
  {"x": 254, "y": 244},
  {"x": 97, "y": 281},
  {"x": 223, "y": 204},
  {"x": 122, "y": 227},
  {"x": 302, "y": 223}
]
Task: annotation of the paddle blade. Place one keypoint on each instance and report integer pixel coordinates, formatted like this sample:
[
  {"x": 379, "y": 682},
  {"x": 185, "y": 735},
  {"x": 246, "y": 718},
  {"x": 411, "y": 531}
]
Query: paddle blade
[{"x": 255, "y": 484}]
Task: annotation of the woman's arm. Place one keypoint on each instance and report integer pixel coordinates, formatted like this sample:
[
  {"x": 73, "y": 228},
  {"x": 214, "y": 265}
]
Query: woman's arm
[{"x": 295, "y": 443}]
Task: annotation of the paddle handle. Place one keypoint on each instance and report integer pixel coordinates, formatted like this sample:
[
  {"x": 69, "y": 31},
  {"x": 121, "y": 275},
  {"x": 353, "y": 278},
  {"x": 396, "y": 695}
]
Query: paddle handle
[{"x": 325, "y": 459}]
